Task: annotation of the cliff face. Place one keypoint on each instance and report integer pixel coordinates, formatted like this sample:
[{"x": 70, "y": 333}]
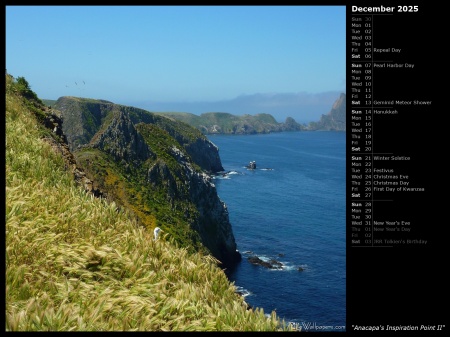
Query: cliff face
[
  {"x": 205, "y": 154},
  {"x": 155, "y": 167},
  {"x": 213, "y": 223},
  {"x": 335, "y": 120},
  {"x": 83, "y": 118},
  {"x": 121, "y": 140}
]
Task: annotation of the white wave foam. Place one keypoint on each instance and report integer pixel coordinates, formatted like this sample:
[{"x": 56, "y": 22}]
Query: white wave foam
[
  {"x": 233, "y": 172},
  {"x": 242, "y": 291},
  {"x": 225, "y": 175},
  {"x": 288, "y": 267},
  {"x": 264, "y": 258}
]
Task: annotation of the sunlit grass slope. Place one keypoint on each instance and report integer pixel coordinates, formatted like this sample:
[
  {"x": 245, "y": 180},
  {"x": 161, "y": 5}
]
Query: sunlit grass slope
[{"x": 74, "y": 262}]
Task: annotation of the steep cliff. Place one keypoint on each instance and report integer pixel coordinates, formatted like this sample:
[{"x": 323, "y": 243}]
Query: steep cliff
[
  {"x": 84, "y": 117},
  {"x": 155, "y": 167},
  {"x": 121, "y": 140},
  {"x": 211, "y": 221}
]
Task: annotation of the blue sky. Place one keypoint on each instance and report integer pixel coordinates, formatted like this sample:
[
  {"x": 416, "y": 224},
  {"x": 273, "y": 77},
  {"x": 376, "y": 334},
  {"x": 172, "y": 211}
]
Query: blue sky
[{"x": 131, "y": 54}]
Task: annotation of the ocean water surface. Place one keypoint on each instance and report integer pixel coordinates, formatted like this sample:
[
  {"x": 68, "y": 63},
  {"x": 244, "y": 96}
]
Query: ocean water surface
[{"x": 291, "y": 208}]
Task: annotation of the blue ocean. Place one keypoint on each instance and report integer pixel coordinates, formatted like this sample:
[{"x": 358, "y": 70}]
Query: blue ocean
[{"x": 291, "y": 208}]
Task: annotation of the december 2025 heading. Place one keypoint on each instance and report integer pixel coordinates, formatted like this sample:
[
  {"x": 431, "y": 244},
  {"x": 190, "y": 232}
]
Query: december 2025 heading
[{"x": 387, "y": 9}]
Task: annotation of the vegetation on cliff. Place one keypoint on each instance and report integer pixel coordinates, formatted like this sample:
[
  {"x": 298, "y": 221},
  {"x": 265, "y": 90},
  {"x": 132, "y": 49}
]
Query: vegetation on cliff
[
  {"x": 153, "y": 166},
  {"x": 79, "y": 263}
]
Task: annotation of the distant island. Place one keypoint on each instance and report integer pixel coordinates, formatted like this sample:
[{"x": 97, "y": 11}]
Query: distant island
[{"x": 226, "y": 123}]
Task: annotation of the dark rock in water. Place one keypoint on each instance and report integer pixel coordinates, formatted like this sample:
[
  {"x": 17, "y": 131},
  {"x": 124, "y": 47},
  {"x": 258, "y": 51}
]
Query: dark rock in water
[
  {"x": 271, "y": 264},
  {"x": 257, "y": 261},
  {"x": 280, "y": 254},
  {"x": 300, "y": 269},
  {"x": 251, "y": 165}
]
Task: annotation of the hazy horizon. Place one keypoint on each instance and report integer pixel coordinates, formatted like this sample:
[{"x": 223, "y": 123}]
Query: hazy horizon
[{"x": 303, "y": 107}]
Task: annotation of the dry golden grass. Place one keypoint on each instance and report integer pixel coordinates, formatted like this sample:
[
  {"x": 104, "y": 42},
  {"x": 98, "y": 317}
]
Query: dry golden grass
[{"x": 76, "y": 263}]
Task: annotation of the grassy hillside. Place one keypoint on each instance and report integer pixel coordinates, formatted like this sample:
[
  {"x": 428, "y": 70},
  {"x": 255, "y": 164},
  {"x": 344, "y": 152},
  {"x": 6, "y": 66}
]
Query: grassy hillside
[{"x": 78, "y": 263}]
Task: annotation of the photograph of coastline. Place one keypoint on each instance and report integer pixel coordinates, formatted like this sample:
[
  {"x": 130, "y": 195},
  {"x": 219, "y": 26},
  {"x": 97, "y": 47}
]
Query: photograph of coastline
[{"x": 175, "y": 168}]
